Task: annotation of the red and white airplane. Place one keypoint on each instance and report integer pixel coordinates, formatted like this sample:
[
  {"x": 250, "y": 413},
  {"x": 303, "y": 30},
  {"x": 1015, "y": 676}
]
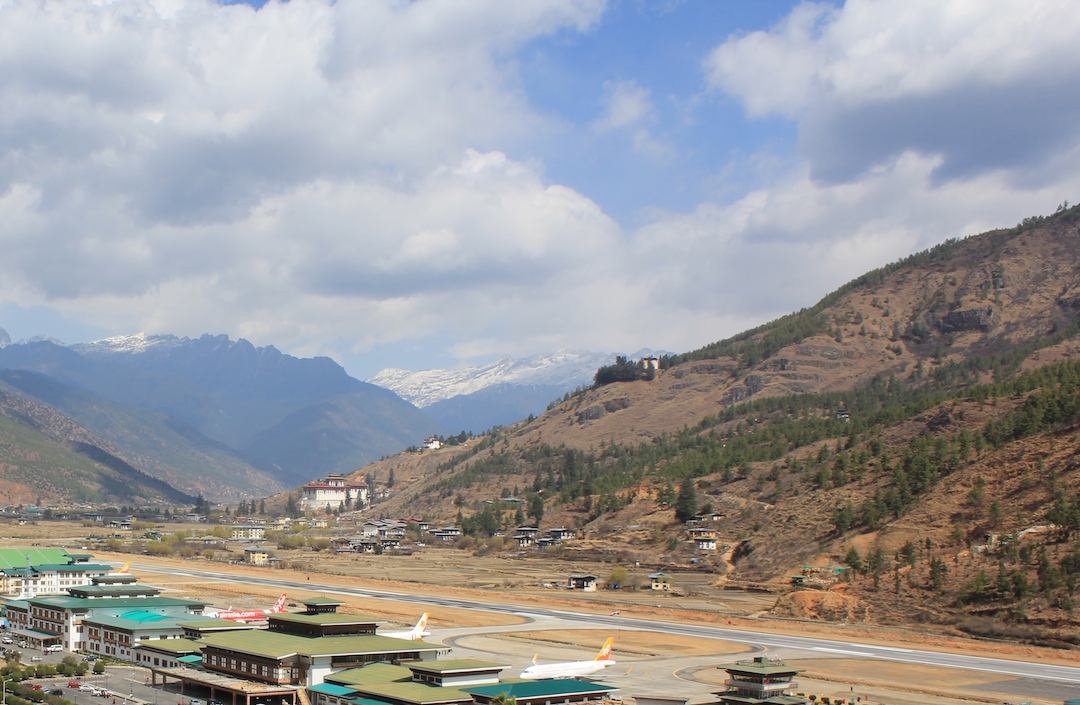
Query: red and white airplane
[{"x": 244, "y": 615}]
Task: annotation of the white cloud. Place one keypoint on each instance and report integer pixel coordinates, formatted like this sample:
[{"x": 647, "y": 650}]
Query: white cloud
[
  {"x": 332, "y": 177},
  {"x": 625, "y": 105},
  {"x": 986, "y": 86}
]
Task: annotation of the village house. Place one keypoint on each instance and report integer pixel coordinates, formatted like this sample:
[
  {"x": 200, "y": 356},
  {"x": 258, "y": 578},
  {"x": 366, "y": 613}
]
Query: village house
[
  {"x": 660, "y": 581},
  {"x": 582, "y": 581},
  {"x": 256, "y": 555},
  {"x": 704, "y": 539}
]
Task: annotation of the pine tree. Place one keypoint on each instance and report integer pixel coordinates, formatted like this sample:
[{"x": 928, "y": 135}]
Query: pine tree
[{"x": 686, "y": 503}]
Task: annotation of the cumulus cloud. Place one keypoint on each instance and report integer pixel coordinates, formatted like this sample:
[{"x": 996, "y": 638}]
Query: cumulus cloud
[
  {"x": 625, "y": 104},
  {"x": 984, "y": 87},
  {"x": 333, "y": 177},
  {"x": 183, "y": 166}
]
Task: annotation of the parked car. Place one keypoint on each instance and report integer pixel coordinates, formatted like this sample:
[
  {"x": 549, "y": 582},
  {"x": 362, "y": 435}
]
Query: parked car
[
  {"x": 87, "y": 688},
  {"x": 74, "y": 684},
  {"x": 56, "y": 691},
  {"x": 53, "y": 648},
  {"x": 35, "y": 658},
  {"x": 36, "y": 686}
]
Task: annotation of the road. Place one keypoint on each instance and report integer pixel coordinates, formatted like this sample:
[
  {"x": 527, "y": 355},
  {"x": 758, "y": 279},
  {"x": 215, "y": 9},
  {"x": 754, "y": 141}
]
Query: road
[{"x": 806, "y": 646}]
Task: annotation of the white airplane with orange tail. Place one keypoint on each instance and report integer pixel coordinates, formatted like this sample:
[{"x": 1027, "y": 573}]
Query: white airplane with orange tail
[
  {"x": 417, "y": 632},
  {"x": 243, "y": 615},
  {"x": 571, "y": 669}
]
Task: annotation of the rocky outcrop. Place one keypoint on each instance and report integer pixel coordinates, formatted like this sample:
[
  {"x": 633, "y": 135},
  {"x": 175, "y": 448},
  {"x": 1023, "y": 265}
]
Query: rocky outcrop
[
  {"x": 598, "y": 411},
  {"x": 967, "y": 319},
  {"x": 613, "y": 405},
  {"x": 1070, "y": 303}
]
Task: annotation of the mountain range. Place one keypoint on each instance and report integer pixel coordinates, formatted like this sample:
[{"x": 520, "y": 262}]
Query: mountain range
[
  {"x": 503, "y": 392},
  {"x": 214, "y": 416}
]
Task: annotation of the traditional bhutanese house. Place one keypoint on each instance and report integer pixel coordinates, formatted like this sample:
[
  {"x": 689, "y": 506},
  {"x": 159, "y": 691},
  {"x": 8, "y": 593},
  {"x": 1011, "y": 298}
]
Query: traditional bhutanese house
[
  {"x": 256, "y": 555},
  {"x": 561, "y": 533},
  {"x": 582, "y": 581},
  {"x": 542, "y": 692},
  {"x": 704, "y": 539},
  {"x": 660, "y": 581}
]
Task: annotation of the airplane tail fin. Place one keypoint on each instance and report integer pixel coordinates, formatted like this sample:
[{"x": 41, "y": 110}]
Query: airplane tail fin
[
  {"x": 421, "y": 625},
  {"x": 605, "y": 650},
  {"x": 279, "y": 606},
  {"x": 126, "y": 568},
  {"x": 536, "y": 658}
]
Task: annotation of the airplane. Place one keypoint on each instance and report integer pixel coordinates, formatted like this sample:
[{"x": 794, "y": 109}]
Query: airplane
[
  {"x": 571, "y": 669},
  {"x": 124, "y": 569},
  {"x": 243, "y": 615},
  {"x": 420, "y": 630}
]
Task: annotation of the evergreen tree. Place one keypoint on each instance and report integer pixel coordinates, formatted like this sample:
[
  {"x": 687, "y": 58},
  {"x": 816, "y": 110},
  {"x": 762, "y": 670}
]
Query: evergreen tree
[
  {"x": 686, "y": 503},
  {"x": 536, "y": 508}
]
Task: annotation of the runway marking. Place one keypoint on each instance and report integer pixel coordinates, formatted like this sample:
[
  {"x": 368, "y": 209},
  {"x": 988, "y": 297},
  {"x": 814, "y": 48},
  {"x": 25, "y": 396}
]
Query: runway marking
[{"x": 842, "y": 651}]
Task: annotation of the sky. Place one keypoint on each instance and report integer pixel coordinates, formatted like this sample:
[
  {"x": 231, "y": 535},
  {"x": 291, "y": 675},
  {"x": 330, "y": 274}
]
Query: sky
[{"x": 437, "y": 183}]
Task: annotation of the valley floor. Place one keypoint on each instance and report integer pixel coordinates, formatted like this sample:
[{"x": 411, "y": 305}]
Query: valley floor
[{"x": 685, "y": 664}]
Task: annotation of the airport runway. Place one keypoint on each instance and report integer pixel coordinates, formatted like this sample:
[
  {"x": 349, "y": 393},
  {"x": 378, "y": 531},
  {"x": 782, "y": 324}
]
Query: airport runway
[{"x": 791, "y": 646}]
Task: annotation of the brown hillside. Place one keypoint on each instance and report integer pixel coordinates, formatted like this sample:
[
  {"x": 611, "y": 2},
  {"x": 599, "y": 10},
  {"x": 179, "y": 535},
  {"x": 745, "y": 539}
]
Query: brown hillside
[{"x": 998, "y": 293}]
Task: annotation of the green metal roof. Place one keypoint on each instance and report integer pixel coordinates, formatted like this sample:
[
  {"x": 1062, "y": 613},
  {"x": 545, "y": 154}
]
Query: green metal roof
[
  {"x": 331, "y": 689},
  {"x": 371, "y": 673},
  {"x": 193, "y": 659},
  {"x": 535, "y": 689},
  {"x": 124, "y": 622},
  {"x": 761, "y": 668},
  {"x": 457, "y": 665},
  {"x": 415, "y": 693},
  {"x": 87, "y": 603},
  {"x": 278, "y": 645},
  {"x": 19, "y": 557},
  {"x": 174, "y": 646},
  {"x": 73, "y": 567},
  {"x": 321, "y": 601},
  {"x": 323, "y": 618}
]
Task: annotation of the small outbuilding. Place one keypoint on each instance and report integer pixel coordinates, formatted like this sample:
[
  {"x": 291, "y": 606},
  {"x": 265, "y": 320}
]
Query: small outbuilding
[
  {"x": 660, "y": 581},
  {"x": 582, "y": 581}
]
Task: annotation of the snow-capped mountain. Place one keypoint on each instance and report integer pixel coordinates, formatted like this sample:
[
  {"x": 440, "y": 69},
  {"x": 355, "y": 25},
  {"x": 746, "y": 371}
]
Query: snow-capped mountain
[
  {"x": 566, "y": 369},
  {"x": 500, "y": 393},
  {"x": 132, "y": 344}
]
